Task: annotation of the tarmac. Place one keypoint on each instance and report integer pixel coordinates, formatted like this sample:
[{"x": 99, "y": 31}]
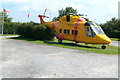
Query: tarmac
[{"x": 22, "y": 59}]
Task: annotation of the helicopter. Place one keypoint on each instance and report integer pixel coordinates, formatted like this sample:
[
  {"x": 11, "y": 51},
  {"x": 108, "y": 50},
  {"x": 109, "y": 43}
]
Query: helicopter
[{"x": 77, "y": 28}]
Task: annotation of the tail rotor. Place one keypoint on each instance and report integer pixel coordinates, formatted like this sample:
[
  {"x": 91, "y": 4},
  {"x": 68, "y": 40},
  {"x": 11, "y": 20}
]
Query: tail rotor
[{"x": 43, "y": 16}]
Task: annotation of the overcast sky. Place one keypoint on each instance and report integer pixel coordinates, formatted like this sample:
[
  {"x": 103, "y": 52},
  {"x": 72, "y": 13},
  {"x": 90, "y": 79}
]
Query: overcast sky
[{"x": 97, "y": 10}]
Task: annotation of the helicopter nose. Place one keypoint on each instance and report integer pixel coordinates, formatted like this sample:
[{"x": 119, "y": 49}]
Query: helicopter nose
[
  {"x": 103, "y": 39},
  {"x": 108, "y": 41}
]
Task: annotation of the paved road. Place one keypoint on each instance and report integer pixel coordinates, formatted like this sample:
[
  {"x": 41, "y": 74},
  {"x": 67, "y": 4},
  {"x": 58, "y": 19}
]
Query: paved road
[
  {"x": 31, "y": 60},
  {"x": 115, "y": 43}
]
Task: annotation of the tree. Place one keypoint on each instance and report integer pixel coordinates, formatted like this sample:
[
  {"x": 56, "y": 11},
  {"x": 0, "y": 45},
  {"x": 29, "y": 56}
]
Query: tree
[
  {"x": 112, "y": 28},
  {"x": 9, "y": 26},
  {"x": 62, "y": 12},
  {"x": 6, "y": 18}
]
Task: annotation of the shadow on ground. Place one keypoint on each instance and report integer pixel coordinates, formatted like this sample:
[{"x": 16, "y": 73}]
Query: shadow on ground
[
  {"x": 22, "y": 38},
  {"x": 71, "y": 44}
]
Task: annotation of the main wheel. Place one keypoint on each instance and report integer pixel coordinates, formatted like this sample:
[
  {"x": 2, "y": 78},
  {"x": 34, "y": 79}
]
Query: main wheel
[
  {"x": 103, "y": 47},
  {"x": 76, "y": 42},
  {"x": 59, "y": 41}
]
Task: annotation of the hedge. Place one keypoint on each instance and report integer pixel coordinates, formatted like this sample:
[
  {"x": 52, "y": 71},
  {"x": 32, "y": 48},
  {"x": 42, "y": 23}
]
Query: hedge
[{"x": 35, "y": 31}]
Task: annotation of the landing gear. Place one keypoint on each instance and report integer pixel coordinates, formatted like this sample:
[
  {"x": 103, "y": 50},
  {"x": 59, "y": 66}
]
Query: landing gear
[
  {"x": 76, "y": 42},
  {"x": 86, "y": 43},
  {"x": 59, "y": 41},
  {"x": 103, "y": 47}
]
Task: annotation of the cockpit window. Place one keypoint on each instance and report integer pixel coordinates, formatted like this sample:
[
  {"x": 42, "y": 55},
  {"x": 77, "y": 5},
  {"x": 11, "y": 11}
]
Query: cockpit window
[
  {"x": 97, "y": 30},
  {"x": 87, "y": 29},
  {"x": 89, "y": 32},
  {"x": 93, "y": 29},
  {"x": 92, "y": 32}
]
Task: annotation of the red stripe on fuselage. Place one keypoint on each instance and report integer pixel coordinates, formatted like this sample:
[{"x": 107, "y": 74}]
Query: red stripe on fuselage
[
  {"x": 76, "y": 28},
  {"x": 59, "y": 36},
  {"x": 53, "y": 25}
]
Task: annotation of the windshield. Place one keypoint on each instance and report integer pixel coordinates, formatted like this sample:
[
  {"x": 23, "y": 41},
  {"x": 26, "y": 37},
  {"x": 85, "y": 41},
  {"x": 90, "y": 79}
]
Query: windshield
[
  {"x": 93, "y": 30},
  {"x": 97, "y": 29}
]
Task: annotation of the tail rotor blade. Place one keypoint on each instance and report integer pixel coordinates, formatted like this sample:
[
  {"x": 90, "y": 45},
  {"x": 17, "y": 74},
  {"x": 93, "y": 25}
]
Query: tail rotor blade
[{"x": 45, "y": 11}]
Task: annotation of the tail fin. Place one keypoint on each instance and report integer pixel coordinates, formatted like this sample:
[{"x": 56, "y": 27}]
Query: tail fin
[{"x": 41, "y": 18}]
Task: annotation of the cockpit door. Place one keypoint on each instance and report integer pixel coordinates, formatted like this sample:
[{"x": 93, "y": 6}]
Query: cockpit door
[{"x": 89, "y": 32}]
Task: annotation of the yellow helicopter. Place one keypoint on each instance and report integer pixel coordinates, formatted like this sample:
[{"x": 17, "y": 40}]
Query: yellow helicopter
[{"x": 77, "y": 28}]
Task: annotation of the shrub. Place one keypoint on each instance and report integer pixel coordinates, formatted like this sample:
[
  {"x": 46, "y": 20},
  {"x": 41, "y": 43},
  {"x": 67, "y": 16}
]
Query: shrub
[{"x": 35, "y": 31}]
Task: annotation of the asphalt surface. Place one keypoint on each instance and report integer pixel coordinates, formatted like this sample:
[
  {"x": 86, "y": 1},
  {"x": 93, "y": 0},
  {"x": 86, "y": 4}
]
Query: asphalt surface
[
  {"x": 115, "y": 43},
  {"x": 31, "y": 60}
]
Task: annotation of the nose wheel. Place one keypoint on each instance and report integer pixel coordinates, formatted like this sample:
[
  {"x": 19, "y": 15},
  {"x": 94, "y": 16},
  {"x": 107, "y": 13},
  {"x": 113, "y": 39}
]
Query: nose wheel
[
  {"x": 103, "y": 47},
  {"x": 59, "y": 41}
]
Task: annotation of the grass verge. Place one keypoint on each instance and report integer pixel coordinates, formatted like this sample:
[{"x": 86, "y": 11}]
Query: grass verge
[
  {"x": 115, "y": 39},
  {"x": 8, "y": 35},
  {"x": 71, "y": 45}
]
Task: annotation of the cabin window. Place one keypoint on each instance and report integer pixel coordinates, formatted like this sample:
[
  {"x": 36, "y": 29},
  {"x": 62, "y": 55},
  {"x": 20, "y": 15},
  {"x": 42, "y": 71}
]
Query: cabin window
[
  {"x": 68, "y": 31},
  {"x": 72, "y": 31},
  {"x": 75, "y": 32},
  {"x": 68, "y": 18},
  {"x": 60, "y": 31},
  {"x": 65, "y": 31}
]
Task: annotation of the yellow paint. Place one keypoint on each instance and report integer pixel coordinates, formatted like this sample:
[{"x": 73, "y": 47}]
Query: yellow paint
[{"x": 81, "y": 36}]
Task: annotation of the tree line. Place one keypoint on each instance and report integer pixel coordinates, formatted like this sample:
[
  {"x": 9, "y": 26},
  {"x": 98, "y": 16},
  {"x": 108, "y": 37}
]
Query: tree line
[
  {"x": 26, "y": 29},
  {"x": 112, "y": 28},
  {"x": 41, "y": 32}
]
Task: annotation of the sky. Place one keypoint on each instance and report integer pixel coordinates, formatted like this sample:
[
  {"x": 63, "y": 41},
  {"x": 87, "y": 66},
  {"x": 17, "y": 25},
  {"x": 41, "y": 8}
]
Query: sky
[{"x": 98, "y": 11}]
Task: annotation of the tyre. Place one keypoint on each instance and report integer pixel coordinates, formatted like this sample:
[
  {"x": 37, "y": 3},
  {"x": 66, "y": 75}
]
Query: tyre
[
  {"x": 103, "y": 47},
  {"x": 76, "y": 42},
  {"x": 59, "y": 41}
]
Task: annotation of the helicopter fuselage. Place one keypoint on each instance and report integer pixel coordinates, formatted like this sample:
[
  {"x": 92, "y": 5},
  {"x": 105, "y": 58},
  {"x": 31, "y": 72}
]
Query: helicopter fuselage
[{"x": 76, "y": 28}]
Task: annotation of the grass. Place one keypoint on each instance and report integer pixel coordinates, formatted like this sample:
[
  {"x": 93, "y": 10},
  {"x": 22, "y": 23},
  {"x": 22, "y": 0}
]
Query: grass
[
  {"x": 8, "y": 35},
  {"x": 115, "y": 39},
  {"x": 71, "y": 45}
]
